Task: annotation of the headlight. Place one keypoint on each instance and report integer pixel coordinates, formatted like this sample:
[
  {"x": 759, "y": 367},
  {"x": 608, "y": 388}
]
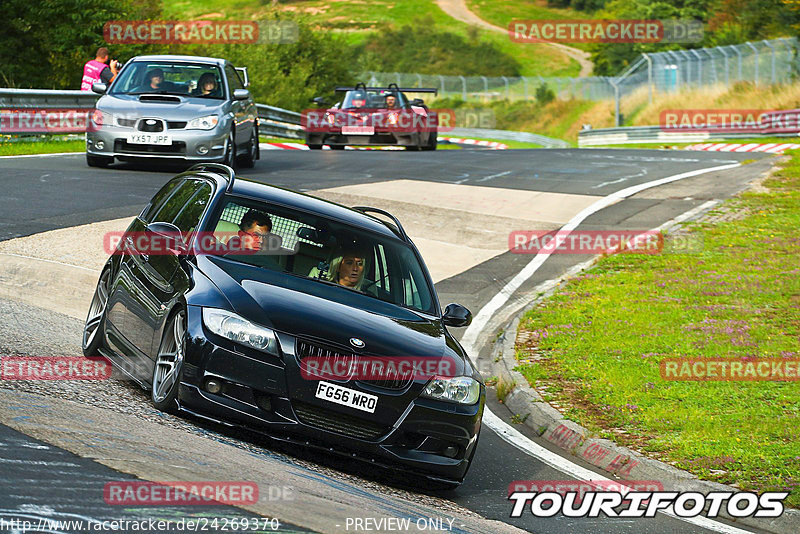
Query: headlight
[
  {"x": 392, "y": 118},
  {"x": 460, "y": 389},
  {"x": 231, "y": 326},
  {"x": 203, "y": 123},
  {"x": 99, "y": 118},
  {"x": 329, "y": 117}
]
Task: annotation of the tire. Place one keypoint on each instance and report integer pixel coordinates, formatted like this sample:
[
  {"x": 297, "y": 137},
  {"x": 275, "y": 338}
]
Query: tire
[
  {"x": 248, "y": 161},
  {"x": 94, "y": 328},
  {"x": 98, "y": 161},
  {"x": 230, "y": 152},
  {"x": 432, "y": 141},
  {"x": 168, "y": 368},
  {"x": 314, "y": 147},
  {"x": 337, "y": 147}
]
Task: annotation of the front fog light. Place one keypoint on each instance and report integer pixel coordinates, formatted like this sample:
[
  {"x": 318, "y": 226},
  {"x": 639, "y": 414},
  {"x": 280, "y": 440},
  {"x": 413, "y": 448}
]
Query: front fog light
[
  {"x": 99, "y": 145},
  {"x": 202, "y": 150}
]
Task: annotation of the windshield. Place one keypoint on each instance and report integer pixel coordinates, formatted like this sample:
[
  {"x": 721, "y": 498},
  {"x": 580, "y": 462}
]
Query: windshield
[
  {"x": 164, "y": 77},
  {"x": 373, "y": 99},
  {"x": 293, "y": 242}
]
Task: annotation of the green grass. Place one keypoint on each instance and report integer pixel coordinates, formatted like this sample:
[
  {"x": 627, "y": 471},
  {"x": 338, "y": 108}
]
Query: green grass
[
  {"x": 358, "y": 19},
  {"x": 502, "y": 13},
  {"x": 41, "y": 147},
  {"x": 604, "y": 333}
]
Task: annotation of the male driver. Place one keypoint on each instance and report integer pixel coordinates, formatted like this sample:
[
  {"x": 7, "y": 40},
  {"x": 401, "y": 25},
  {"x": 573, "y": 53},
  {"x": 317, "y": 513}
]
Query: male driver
[
  {"x": 249, "y": 244},
  {"x": 391, "y": 101},
  {"x": 97, "y": 71}
]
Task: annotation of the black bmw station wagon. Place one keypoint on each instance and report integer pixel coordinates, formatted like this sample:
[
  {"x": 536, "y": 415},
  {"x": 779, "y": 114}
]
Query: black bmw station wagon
[{"x": 262, "y": 308}]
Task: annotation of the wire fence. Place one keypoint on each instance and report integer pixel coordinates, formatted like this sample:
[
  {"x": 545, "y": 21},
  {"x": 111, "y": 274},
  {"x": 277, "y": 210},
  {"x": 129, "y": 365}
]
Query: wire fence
[{"x": 762, "y": 63}]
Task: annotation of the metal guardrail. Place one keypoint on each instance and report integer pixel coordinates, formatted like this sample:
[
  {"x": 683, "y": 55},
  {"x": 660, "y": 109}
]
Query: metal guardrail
[
  {"x": 656, "y": 134},
  {"x": 278, "y": 122}
]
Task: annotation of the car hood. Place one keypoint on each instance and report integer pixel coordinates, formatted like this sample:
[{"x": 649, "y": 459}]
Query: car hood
[
  {"x": 186, "y": 108},
  {"x": 327, "y": 314}
]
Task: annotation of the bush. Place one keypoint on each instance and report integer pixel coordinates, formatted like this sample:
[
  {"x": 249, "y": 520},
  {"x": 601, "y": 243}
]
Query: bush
[{"x": 544, "y": 95}]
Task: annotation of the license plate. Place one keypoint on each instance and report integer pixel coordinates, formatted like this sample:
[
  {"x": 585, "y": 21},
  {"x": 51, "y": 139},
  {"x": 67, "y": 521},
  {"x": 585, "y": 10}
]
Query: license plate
[
  {"x": 358, "y": 130},
  {"x": 149, "y": 139},
  {"x": 346, "y": 397}
]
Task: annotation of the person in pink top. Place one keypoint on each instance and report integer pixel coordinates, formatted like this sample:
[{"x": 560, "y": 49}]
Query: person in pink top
[{"x": 99, "y": 70}]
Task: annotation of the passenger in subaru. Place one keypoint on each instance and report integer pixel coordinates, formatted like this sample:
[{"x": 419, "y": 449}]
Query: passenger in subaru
[{"x": 207, "y": 86}]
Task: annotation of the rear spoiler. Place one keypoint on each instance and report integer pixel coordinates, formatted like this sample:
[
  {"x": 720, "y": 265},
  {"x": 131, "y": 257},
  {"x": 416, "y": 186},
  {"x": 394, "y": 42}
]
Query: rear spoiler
[{"x": 390, "y": 87}]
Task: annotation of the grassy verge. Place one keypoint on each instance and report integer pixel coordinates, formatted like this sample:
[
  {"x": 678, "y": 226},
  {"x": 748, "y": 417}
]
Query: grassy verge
[
  {"x": 42, "y": 147},
  {"x": 662, "y": 144},
  {"x": 595, "y": 347}
]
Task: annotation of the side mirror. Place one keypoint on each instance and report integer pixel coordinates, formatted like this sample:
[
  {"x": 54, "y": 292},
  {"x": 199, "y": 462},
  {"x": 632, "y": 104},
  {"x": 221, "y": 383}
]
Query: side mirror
[
  {"x": 318, "y": 100},
  {"x": 456, "y": 315},
  {"x": 241, "y": 94},
  {"x": 416, "y": 102},
  {"x": 171, "y": 235},
  {"x": 99, "y": 88}
]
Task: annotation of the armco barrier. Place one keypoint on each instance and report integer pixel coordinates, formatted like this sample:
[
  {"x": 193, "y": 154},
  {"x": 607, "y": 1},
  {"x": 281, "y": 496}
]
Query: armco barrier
[{"x": 656, "y": 134}]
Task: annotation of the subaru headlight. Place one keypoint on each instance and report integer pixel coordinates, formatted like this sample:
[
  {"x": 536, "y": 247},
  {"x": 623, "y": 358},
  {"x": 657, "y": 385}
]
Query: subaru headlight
[
  {"x": 231, "y": 326},
  {"x": 203, "y": 123},
  {"x": 460, "y": 389},
  {"x": 100, "y": 118}
]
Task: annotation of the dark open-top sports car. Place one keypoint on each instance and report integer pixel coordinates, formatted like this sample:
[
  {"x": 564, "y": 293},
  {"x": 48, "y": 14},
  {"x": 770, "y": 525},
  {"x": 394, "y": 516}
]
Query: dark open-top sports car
[
  {"x": 312, "y": 322},
  {"x": 373, "y": 116}
]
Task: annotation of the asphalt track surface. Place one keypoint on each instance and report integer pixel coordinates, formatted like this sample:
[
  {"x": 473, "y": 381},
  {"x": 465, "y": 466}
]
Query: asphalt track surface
[{"x": 46, "y": 193}]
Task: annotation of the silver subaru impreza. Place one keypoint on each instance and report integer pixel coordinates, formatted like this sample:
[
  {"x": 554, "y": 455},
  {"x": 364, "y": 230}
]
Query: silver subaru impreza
[{"x": 178, "y": 107}]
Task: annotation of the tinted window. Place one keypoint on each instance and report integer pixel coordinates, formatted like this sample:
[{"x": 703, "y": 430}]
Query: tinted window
[
  {"x": 158, "y": 199},
  {"x": 190, "y": 215},
  {"x": 233, "y": 79},
  {"x": 173, "y": 206}
]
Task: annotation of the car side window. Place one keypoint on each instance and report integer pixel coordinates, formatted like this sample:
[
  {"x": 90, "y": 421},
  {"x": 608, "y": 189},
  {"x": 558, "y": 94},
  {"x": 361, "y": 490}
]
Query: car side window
[
  {"x": 173, "y": 206},
  {"x": 155, "y": 203},
  {"x": 189, "y": 217},
  {"x": 233, "y": 79}
]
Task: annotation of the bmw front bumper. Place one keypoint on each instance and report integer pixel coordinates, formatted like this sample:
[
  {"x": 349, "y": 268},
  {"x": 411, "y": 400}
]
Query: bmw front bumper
[{"x": 431, "y": 438}]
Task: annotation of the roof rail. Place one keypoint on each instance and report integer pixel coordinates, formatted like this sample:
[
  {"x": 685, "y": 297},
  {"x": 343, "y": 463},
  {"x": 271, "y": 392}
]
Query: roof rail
[
  {"x": 366, "y": 210},
  {"x": 227, "y": 172}
]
